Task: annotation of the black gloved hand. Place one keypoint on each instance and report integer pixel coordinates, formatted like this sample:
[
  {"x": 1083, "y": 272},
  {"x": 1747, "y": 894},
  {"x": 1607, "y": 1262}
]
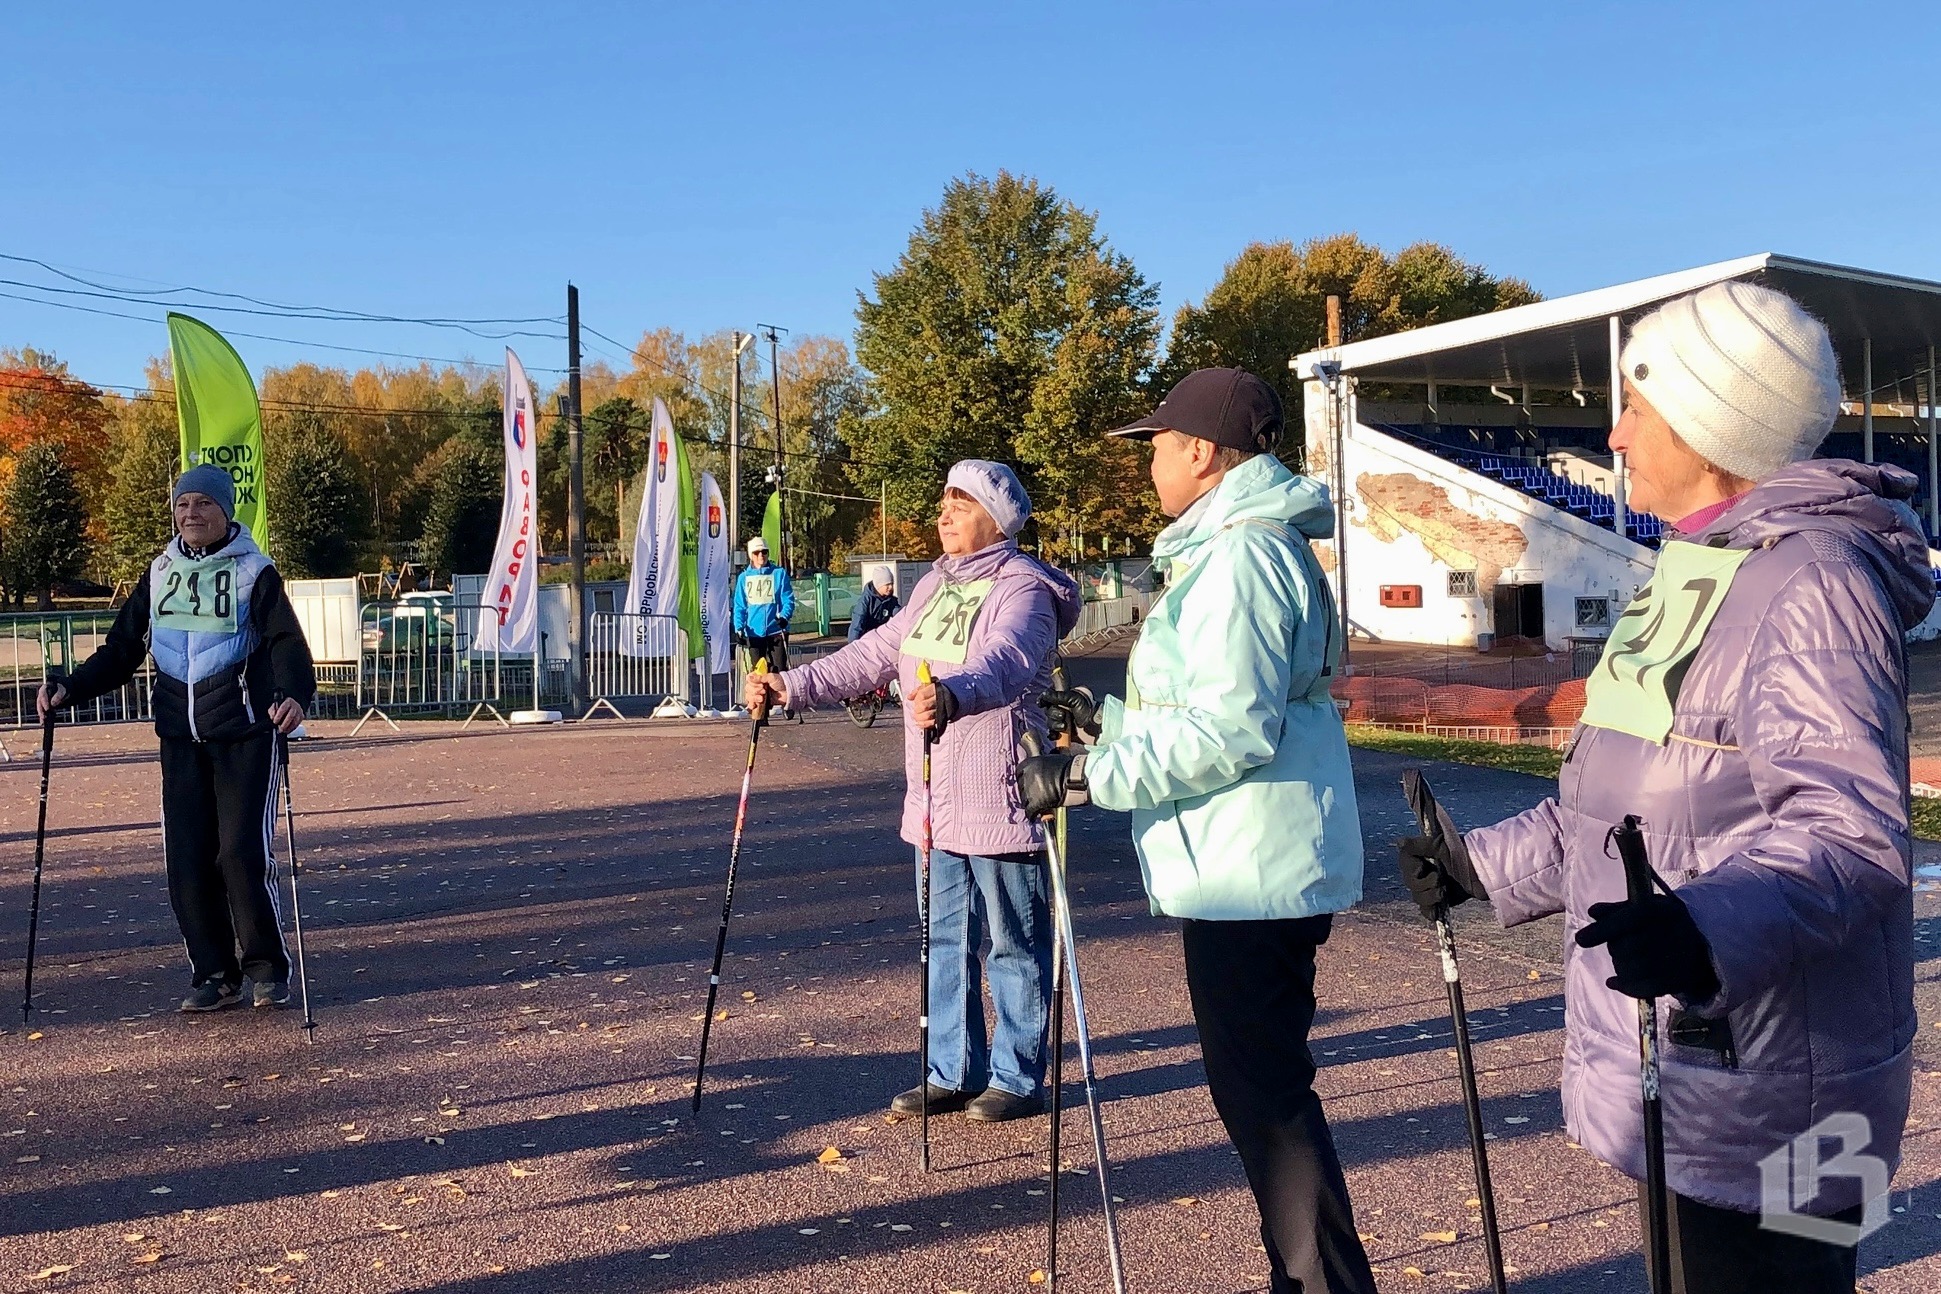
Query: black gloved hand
[
  {"x": 737, "y": 637},
  {"x": 1656, "y": 948},
  {"x": 1072, "y": 712},
  {"x": 948, "y": 708},
  {"x": 1049, "y": 782},
  {"x": 1437, "y": 870}
]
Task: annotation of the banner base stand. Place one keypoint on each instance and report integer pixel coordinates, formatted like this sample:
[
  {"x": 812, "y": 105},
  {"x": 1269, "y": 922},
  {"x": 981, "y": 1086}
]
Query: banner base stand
[
  {"x": 484, "y": 707},
  {"x": 673, "y": 708},
  {"x": 524, "y": 717},
  {"x": 367, "y": 718},
  {"x": 599, "y": 705}
]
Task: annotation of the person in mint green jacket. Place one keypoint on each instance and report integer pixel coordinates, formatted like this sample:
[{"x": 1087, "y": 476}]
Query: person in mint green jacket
[{"x": 1229, "y": 754}]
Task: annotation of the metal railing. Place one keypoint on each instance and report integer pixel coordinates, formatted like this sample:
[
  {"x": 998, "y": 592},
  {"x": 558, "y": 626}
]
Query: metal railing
[
  {"x": 420, "y": 656},
  {"x": 635, "y": 658},
  {"x": 33, "y": 645}
]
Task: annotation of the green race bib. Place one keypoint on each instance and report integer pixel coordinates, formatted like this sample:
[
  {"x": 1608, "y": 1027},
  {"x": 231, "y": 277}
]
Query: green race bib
[
  {"x": 1635, "y": 686},
  {"x": 942, "y": 632},
  {"x": 197, "y": 596}
]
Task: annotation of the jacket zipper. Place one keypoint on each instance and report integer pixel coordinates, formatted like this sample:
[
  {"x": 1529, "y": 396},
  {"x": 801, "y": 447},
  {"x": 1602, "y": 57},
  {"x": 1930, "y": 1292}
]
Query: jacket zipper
[{"x": 188, "y": 649}]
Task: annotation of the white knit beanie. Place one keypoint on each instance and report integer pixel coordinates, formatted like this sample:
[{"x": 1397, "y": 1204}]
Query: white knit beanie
[{"x": 1742, "y": 373}]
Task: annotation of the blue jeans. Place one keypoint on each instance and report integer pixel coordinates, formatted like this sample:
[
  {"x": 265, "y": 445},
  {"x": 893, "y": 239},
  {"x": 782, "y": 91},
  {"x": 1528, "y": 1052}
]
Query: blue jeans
[{"x": 1008, "y": 896}]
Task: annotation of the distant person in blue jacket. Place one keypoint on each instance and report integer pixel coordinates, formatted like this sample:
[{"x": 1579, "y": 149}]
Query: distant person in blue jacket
[
  {"x": 875, "y": 604},
  {"x": 764, "y": 602}
]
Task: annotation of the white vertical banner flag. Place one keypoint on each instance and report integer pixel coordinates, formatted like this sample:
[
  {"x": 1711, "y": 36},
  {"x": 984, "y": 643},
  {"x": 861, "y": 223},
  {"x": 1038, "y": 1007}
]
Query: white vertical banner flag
[
  {"x": 717, "y": 575},
  {"x": 654, "y": 584},
  {"x": 509, "y": 614}
]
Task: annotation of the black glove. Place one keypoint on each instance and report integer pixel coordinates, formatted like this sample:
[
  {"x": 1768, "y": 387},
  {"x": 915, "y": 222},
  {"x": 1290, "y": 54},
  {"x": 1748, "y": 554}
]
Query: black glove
[
  {"x": 1438, "y": 872},
  {"x": 1656, "y": 948},
  {"x": 1435, "y": 865},
  {"x": 1049, "y": 782},
  {"x": 948, "y": 708},
  {"x": 737, "y": 637},
  {"x": 1073, "y": 712}
]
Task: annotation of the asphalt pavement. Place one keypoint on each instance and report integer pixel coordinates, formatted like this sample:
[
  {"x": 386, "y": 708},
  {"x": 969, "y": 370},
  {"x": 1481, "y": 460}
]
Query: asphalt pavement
[{"x": 509, "y": 936}]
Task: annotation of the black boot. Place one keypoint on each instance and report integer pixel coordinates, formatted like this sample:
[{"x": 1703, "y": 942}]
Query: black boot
[{"x": 943, "y": 1100}]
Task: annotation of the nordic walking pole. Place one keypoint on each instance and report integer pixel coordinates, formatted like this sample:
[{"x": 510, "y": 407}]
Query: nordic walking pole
[
  {"x": 1058, "y": 682},
  {"x": 923, "y": 936},
  {"x": 282, "y": 740},
  {"x": 40, "y": 854},
  {"x": 759, "y": 720},
  {"x": 1638, "y": 879},
  {"x": 1435, "y": 822},
  {"x": 1062, "y": 907}
]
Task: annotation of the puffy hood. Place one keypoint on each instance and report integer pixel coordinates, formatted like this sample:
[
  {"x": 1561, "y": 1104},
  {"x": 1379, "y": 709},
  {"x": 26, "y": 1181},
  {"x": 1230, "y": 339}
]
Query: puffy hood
[
  {"x": 1865, "y": 504},
  {"x": 1006, "y": 559},
  {"x": 1260, "y": 487}
]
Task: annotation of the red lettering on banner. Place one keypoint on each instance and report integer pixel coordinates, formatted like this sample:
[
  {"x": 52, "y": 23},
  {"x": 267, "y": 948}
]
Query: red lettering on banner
[
  {"x": 514, "y": 568},
  {"x": 525, "y": 477},
  {"x": 519, "y": 546}
]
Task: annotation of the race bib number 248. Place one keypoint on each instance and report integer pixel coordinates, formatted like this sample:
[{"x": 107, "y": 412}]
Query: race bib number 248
[{"x": 197, "y": 596}]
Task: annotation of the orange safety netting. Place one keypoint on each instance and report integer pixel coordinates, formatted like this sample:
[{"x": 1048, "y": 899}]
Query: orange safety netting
[{"x": 1460, "y": 705}]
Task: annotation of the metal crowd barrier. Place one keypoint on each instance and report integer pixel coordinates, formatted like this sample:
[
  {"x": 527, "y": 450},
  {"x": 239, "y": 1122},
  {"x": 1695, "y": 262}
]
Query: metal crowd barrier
[
  {"x": 418, "y": 655},
  {"x": 635, "y": 658},
  {"x": 34, "y": 645}
]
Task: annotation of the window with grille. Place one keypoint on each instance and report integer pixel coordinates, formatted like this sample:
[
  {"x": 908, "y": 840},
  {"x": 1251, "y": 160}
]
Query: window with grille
[
  {"x": 1593, "y": 613},
  {"x": 1462, "y": 584}
]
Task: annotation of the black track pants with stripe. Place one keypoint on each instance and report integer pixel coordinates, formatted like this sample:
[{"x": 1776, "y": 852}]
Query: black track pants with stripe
[{"x": 218, "y": 815}]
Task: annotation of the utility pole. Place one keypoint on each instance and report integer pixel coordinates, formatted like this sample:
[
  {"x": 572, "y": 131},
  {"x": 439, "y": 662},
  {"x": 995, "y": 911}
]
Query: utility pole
[
  {"x": 1336, "y": 449},
  {"x": 575, "y": 506},
  {"x": 775, "y": 372},
  {"x": 743, "y": 340}
]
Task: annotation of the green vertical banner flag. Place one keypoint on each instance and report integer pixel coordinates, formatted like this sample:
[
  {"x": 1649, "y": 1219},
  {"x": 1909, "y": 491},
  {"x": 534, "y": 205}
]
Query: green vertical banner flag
[
  {"x": 688, "y": 609},
  {"x": 222, "y": 424},
  {"x": 772, "y": 527}
]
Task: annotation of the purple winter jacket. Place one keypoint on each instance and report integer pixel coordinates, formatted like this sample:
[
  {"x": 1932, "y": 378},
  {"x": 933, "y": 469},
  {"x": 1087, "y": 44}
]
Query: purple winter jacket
[
  {"x": 1007, "y": 664},
  {"x": 1778, "y": 811}
]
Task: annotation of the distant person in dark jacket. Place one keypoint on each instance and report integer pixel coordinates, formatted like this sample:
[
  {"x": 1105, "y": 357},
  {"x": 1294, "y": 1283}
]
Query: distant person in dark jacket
[
  {"x": 876, "y": 604},
  {"x": 213, "y": 612}
]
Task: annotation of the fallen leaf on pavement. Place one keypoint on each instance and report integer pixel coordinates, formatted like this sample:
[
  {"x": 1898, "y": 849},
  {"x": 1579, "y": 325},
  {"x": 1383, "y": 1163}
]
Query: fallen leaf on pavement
[
  {"x": 48, "y": 1273},
  {"x": 1187, "y": 1201},
  {"x": 1441, "y": 1237},
  {"x": 521, "y": 1172},
  {"x": 829, "y": 1156},
  {"x": 154, "y": 1257}
]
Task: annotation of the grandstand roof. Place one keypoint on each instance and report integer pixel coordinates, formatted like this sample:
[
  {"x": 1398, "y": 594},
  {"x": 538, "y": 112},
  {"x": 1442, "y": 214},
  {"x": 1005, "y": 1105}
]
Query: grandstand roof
[{"x": 1565, "y": 343}]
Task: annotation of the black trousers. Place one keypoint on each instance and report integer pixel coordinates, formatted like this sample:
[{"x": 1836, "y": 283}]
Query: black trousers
[
  {"x": 1724, "y": 1251},
  {"x": 773, "y": 649},
  {"x": 1252, "y": 984},
  {"x": 218, "y": 815}
]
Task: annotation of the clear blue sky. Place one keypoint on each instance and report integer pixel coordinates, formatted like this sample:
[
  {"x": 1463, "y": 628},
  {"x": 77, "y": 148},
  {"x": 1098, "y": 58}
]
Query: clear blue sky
[{"x": 710, "y": 166}]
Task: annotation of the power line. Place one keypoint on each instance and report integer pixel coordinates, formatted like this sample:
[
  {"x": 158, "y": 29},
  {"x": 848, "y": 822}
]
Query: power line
[
  {"x": 358, "y": 315},
  {"x": 284, "y": 314},
  {"x": 289, "y": 341}
]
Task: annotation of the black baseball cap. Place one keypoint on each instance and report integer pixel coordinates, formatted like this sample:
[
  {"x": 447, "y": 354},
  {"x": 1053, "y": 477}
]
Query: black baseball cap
[{"x": 1228, "y": 406}]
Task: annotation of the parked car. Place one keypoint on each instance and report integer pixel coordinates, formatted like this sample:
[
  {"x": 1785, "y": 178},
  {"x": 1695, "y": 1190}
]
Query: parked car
[{"x": 417, "y": 622}]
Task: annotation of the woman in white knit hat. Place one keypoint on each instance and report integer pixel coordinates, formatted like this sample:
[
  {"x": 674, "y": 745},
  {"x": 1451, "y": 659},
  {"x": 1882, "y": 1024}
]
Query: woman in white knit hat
[{"x": 1751, "y": 708}]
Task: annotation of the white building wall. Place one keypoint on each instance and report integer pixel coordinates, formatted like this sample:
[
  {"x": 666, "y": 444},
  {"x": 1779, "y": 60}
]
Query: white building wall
[{"x": 1413, "y": 517}]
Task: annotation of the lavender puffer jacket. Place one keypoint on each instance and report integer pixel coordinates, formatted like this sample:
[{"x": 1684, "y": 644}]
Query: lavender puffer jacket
[
  {"x": 1778, "y": 811},
  {"x": 1007, "y": 664}
]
